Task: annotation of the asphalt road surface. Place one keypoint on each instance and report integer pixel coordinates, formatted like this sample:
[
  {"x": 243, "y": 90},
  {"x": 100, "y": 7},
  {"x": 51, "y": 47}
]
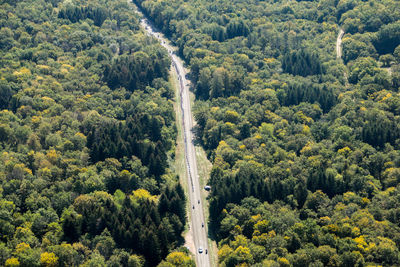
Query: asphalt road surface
[
  {"x": 339, "y": 52},
  {"x": 339, "y": 44},
  {"x": 198, "y": 225}
]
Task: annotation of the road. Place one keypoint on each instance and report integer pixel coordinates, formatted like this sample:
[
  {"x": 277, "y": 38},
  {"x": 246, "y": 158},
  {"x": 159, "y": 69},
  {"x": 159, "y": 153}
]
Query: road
[
  {"x": 339, "y": 44},
  {"x": 198, "y": 225},
  {"x": 339, "y": 51}
]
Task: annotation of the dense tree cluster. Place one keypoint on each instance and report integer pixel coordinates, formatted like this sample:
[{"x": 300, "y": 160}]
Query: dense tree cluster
[
  {"x": 140, "y": 137},
  {"x": 301, "y": 63},
  {"x": 87, "y": 128},
  {"x": 76, "y": 13},
  {"x": 310, "y": 92},
  {"x": 305, "y": 147},
  {"x": 139, "y": 222},
  {"x": 138, "y": 70}
]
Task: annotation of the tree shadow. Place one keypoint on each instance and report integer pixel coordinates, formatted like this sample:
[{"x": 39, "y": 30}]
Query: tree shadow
[{"x": 197, "y": 141}]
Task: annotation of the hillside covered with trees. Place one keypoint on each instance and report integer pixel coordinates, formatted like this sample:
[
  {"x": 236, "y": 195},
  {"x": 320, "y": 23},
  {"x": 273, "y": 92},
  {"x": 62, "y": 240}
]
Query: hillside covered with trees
[
  {"x": 305, "y": 147},
  {"x": 87, "y": 130}
]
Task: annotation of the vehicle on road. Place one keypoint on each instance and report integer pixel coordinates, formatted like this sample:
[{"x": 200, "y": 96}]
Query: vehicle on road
[
  {"x": 202, "y": 224},
  {"x": 207, "y": 188},
  {"x": 198, "y": 201},
  {"x": 206, "y": 251},
  {"x": 193, "y": 206},
  {"x": 200, "y": 250}
]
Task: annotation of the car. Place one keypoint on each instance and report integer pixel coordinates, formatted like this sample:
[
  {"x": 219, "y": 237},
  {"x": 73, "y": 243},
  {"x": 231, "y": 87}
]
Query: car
[
  {"x": 206, "y": 251},
  {"x": 202, "y": 224},
  {"x": 207, "y": 188},
  {"x": 200, "y": 250}
]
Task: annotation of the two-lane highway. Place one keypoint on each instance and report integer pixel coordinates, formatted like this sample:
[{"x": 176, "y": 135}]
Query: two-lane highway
[{"x": 198, "y": 224}]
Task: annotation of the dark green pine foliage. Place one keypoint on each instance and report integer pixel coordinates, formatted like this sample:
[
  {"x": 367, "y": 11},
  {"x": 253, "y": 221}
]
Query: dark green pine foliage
[
  {"x": 150, "y": 229},
  {"x": 136, "y": 71},
  {"x": 237, "y": 28},
  {"x": 6, "y": 93},
  {"x": 145, "y": 227},
  {"x": 305, "y": 91},
  {"x": 76, "y": 13},
  {"x": 388, "y": 38},
  {"x": 379, "y": 129},
  {"x": 231, "y": 189},
  {"x": 112, "y": 139},
  {"x": 302, "y": 62}
]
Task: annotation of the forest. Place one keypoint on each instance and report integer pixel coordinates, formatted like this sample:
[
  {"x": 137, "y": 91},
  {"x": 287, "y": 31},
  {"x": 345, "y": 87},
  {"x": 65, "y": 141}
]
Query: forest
[
  {"x": 305, "y": 147},
  {"x": 87, "y": 134}
]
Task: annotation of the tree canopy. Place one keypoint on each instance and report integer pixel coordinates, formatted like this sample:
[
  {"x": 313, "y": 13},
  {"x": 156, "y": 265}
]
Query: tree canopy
[
  {"x": 87, "y": 128},
  {"x": 304, "y": 146}
]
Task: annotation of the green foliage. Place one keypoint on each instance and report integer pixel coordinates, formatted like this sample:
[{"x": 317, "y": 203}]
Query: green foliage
[
  {"x": 75, "y": 129},
  {"x": 75, "y": 13},
  {"x": 306, "y": 91},
  {"x": 136, "y": 71},
  {"x": 388, "y": 38},
  {"x": 304, "y": 147},
  {"x": 302, "y": 63}
]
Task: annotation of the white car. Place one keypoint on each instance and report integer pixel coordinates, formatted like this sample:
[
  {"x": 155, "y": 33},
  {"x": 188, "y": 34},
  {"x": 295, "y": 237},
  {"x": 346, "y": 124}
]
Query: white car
[{"x": 200, "y": 250}]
